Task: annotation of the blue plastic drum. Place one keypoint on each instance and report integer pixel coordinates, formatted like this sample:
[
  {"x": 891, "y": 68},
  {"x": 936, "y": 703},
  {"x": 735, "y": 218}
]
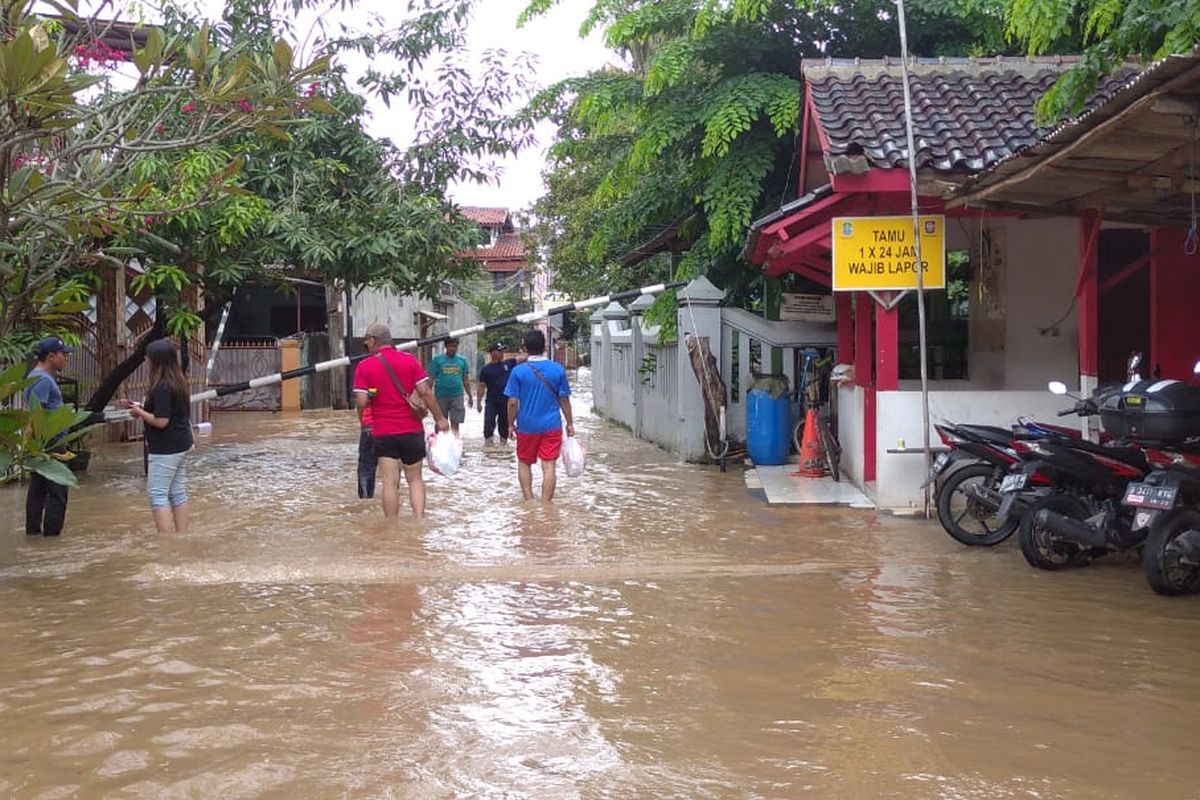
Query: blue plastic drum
[{"x": 768, "y": 420}]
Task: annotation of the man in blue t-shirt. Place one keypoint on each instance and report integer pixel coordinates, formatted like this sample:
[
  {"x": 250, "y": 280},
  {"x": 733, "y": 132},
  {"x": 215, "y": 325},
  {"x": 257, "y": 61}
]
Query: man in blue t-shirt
[
  {"x": 538, "y": 393},
  {"x": 46, "y": 501},
  {"x": 451, "y": 384}
]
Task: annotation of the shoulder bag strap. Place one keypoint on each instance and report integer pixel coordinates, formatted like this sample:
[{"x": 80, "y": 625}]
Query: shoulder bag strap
[
  {"x": 392, "y": 374},
  {"x": 542, "y": 378}
]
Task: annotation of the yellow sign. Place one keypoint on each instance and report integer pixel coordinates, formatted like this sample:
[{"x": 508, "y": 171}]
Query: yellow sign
[{"x": 878, "y": 253}]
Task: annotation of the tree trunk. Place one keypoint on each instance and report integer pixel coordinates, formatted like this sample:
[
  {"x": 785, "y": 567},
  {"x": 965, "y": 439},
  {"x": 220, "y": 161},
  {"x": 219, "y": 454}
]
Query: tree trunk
[
  {"x": 712, "y": 389},
  {"x": 112, "y": 381},
  {"x": 335, "y": 305}
]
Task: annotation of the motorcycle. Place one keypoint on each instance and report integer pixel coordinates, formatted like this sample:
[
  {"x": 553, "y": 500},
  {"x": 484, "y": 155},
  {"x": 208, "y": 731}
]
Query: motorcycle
[
  {"x": 969, "y": 493},
  {"x": 1086, "y": 514},
  {"x": 1167, "y": 506}
]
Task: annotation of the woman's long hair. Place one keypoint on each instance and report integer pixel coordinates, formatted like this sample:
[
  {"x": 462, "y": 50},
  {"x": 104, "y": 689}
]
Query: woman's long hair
[{"x": 165, "y": 369}]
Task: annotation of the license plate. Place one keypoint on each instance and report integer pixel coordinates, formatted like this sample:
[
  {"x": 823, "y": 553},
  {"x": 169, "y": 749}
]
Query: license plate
[
  {"x": 940, "y": 462},
  {"x": 1142, "y": 495},
  {"x": 1014, "y": 482}
]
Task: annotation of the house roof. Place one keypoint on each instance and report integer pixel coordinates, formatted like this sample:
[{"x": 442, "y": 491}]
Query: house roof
[
  {"x": 485, "y": 215},
  {"x": 1130, "y": 155},
  {"x": 968, "y": 114},
  {"x": 506, "y": 255}
]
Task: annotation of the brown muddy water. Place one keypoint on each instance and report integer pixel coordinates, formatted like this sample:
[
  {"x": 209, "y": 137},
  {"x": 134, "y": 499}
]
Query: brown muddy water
[{"x": 658, "y": 632}]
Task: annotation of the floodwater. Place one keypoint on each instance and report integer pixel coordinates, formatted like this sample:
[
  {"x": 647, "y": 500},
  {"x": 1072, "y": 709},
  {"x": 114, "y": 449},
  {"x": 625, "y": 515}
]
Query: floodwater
[{"x": 658, "y": 632}]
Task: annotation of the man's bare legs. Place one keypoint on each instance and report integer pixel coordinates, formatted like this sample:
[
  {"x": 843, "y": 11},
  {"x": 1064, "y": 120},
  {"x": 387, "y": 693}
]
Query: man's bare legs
[
  {"x": 549, "y": 479},
  {"x": 525, "y": 477},
  {"x": 389, "y": 475},
  {"x": 416, "y": 488}
]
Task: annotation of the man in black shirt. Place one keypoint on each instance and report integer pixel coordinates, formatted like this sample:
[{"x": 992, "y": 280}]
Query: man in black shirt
[{"x": 493, "y": 378}]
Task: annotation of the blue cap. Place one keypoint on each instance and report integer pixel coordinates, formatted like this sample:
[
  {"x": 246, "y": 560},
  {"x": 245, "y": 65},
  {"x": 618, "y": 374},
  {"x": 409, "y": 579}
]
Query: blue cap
[{"x": 52, "y": 344}]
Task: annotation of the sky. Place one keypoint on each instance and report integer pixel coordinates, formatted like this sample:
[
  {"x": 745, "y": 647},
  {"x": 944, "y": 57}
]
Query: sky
[{"x": 553, "y": 39}]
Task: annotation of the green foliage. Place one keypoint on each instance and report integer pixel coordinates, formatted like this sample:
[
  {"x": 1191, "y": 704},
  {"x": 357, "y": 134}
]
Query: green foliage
[
  {"x": 1110, "y": 32},
  {"x": 493, "y": 304},
  {"x": 74, "y": 147},
  {"x": 34, "y": 439},
  {"x": 696, "y": 137}
]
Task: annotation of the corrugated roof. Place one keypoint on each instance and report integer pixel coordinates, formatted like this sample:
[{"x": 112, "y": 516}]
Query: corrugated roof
[{"x": 968, "y": 114}]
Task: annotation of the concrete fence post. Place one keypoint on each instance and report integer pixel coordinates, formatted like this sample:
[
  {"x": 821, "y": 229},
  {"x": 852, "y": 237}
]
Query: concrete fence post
[
  {"x": 599, "y": 362},
  {"x": 637, "y": 336},
  {"x": 614, "y": 315},
  {"x": 699, "y": 315}
]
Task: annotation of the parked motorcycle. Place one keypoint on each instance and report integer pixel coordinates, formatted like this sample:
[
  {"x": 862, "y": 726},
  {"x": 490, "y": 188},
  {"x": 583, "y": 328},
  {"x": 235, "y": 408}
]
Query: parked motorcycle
[
  {"x": 1167, "y": 506},
  {"x": 1085, "y": 515},
  {"x": 967, "y": 497}
]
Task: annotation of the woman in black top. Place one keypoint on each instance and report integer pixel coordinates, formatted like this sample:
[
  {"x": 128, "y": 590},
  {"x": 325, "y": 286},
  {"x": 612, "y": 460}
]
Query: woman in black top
[{"x": 168, "y": 420}]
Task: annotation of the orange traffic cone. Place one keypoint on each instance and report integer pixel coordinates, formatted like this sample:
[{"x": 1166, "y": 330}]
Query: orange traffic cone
[{"x": 812, "y": 460}]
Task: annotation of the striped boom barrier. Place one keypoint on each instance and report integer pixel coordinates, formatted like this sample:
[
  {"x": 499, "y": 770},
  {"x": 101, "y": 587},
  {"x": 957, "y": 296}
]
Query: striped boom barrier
[{"x": 519, "y": 319}]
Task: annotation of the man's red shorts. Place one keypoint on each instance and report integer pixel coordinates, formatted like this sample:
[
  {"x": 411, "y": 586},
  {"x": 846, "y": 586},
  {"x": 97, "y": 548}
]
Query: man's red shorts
[{"x": 533, "y": 446}]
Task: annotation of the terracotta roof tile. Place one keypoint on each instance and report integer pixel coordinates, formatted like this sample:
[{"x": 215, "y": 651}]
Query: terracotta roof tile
[
  {"x": 967, "y": 116},
  {"x": 508, "y": 246},
  {"x": 484, "y": 215}
]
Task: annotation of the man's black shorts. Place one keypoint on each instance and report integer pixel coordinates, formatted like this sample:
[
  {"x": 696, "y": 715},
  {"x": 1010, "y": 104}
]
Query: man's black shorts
[{"x": 408, "y": 447}]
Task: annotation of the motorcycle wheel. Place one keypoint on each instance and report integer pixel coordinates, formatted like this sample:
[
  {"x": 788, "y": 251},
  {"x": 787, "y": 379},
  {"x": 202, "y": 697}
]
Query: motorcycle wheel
[
  {"x": 1161, "y": 554},
  {"x": 955, "y": 507},
  {"x": 1040, "y": 546}
]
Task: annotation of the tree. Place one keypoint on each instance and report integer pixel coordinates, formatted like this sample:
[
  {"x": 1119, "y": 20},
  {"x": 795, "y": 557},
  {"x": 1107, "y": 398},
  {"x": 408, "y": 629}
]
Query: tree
[
  {"x": 695, "y": 137},
  {"x": 71, "y": 143},
  {"x": 1112, "y": 33}
]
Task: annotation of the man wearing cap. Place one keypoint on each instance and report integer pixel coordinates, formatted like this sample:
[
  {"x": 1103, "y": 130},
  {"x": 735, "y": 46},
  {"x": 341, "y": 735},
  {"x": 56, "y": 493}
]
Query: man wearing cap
[
  {"x": 492, "y": 380},
  {"x": 382, "y": 383},
  {"x": 451, "y": 376},
  {"x": 46, "y": 501}
]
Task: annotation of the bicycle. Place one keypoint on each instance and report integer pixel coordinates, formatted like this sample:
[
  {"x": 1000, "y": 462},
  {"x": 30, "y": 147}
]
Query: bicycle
[{"x": 809, "y": 389}]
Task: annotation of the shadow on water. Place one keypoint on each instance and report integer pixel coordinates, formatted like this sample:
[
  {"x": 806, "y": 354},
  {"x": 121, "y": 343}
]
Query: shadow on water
[{"x": 657, "y": 631}]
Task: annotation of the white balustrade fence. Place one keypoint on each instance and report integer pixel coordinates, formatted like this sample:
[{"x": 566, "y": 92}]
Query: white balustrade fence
[{"x": 650, "y": 386}]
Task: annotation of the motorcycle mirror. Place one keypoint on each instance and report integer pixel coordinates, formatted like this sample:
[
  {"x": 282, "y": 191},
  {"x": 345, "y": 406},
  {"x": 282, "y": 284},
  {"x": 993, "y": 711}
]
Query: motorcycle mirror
[
  {"x": 1057, "y": 387},
  {"x": 1135, "y": 361}
]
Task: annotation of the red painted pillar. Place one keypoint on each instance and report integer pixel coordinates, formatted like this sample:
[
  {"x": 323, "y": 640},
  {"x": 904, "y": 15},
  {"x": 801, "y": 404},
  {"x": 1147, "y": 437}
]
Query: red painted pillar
[
  {"x": 1174, "y": 290},
  {"x": 864, "y": 340},
  {"x": 864, "y": 363},
  {"x": 845, "y": 327},
  {"x": 887, "y": 348},
  {"x": 1088, "y": 294}
]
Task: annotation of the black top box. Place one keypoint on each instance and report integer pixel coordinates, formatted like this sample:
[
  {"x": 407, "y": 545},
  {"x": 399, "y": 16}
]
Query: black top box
[{"x": 1152, "y": 411}]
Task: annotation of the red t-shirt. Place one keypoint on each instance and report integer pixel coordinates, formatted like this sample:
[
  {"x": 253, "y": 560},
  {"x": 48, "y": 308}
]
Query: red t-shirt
[{"x": 390, "y": 413}]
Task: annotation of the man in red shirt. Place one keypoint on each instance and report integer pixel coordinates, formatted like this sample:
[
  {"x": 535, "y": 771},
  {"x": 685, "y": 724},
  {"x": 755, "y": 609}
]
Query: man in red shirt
[{"x": 381, "y": 383}]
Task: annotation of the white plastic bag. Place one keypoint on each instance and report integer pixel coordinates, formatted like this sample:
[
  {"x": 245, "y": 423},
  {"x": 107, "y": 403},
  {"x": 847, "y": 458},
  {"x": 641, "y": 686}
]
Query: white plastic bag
[
  {"x": 443, "y": 452},
  {"x": 574, "y": 456}
]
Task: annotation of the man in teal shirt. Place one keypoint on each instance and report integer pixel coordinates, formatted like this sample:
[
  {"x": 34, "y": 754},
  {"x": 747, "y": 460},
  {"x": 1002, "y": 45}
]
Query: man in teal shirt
[{"x": 451, "y": 384}]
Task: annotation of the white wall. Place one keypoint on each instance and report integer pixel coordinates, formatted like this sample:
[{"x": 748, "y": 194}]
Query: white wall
[
  {"x": 898, "y": 416},
  {"x": 382, "y": 305},
  {"x": 850, "y": 401},
  {"x": 1042, "y": 267}
]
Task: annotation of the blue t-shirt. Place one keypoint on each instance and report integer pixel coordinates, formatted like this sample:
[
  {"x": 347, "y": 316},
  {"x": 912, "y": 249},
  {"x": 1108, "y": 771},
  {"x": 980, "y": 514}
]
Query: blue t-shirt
[
  {"x": 447, "y": 373},
  {"x": 495, "y": 378},
  {"x": 538, "y": 409},
  {"x": 45, "y": 390}
]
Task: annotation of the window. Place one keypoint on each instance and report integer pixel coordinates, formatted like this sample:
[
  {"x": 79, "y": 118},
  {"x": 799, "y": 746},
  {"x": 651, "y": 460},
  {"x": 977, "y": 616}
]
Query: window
[{"x": 947, "y": 325}]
